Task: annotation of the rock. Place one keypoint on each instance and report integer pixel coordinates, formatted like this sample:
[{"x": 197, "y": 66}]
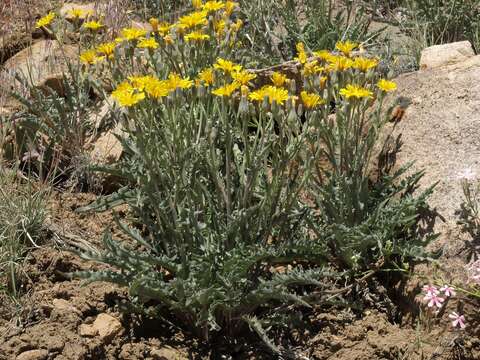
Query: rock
[
  {"x": 167, "y": 353},
  {"x": 87, "y": 10},
  {"x": 87, "y": 330},
  {"x": 43, "y": 63},
  {"x": 440, "y": 133},
  {"x": 107, "y": 327},
  {"x": 63, "y": 305},
  {"x": 33, "y": 355},
  {"x": 446, "y": 54},
  {"x": 107, "y": 149}
]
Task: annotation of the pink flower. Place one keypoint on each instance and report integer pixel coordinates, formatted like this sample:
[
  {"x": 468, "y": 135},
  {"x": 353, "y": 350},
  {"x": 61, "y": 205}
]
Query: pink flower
[
  {"x": 434, "y": 299},
  {"x": 458, "y": 320},
  {"x": 430, "y": 289},
  {"x": 448, "y": 291}
]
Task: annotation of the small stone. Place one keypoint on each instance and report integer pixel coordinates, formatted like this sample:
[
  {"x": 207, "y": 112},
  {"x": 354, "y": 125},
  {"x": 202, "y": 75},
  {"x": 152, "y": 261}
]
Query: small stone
[
  {"x": 446, "y": 54},
  {"x": 33, "y": 355},
  {"x": 64, "y": 305},
  {"x": 87, "y": 330},
  {"x": 107, "y": 327}
]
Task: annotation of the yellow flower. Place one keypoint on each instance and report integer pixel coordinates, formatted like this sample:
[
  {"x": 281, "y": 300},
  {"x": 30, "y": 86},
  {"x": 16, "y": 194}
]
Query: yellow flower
[
  {"x": 154, "y": 23},
  {"x": 237, "y": 26},
  {"x": 243, "y": 77},
  {"x": 323, "y": 82},
  {"x": 210, "y": 6},
  {"x": 79, "y": 13},
  {"x": 155, "y": 88},
  {"x": 194, "y": 19},
  {"x": 311, "y": 68},
  {"x": 126, "y": 95},
  {"x": 219, "y": 27},
  {"x": 301, "y": 54},
  {"x": 196, "y": 36},
  {"x": 90, "y": 57},
  {"x": 386, "y": 85},
  {"x": 140, "y": 82},
  {"x": 355, "y": 91},
  {"x": 364, "y": 64},
  {"x": 197, "y": 4},
  {"x": 324, "y": 55},
  {"x": 311, "y": 100},
  {"x": 230, "y": 7},
  {"x": 273, "y": 93},
  {"x": 279, "y": 79},
  {"x": 176, "y": 82},
  {"x": 107, "y": 49},
  {"x": 226, "y": 66},
  {"x": 93, "y": 25},
  {"x": 149, "y": 43},
  {"x": 46, "y": 20},
  {"x": 133, "y": 33},
  {"x": 346, "y": 47},
  {"x": 340, "y": 63},
  {"x": 207, "y": 76},
  {"x": 161, "y": 27},
  {"x": 226, "y": 90}
]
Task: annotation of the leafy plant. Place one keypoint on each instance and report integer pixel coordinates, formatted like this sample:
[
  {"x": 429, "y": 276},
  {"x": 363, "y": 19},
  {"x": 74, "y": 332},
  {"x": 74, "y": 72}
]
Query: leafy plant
[{"x": 249, "y": 190}]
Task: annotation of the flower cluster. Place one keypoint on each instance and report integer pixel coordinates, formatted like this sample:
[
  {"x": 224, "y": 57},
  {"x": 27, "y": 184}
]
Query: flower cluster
[{"x": 436, "y": 297}]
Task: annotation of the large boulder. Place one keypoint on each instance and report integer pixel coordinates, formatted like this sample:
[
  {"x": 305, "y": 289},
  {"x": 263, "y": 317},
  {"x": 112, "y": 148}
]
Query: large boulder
[
  {"x": 445, "y": 54},
  {"x": 440, "y": 133},
  {"x": 43, "y": 64}
]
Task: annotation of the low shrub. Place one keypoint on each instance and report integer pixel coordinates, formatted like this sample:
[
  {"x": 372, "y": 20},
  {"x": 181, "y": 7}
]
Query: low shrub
[{"x": 249, "y": 191}]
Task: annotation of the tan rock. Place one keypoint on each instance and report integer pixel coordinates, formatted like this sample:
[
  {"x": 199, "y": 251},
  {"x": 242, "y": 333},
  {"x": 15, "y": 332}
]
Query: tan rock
[
  {"x": 87, "y": 330},
  {"x": 107, "y": 327},
  {"x": 43, "y": 64},
  {"x": 446, "y": 54},
  {"x": 107, "y": 149},
  {"x": 87, "y": 10},
  {"x": 33, "y": 355},
  {"x": 64, "y": 305}
]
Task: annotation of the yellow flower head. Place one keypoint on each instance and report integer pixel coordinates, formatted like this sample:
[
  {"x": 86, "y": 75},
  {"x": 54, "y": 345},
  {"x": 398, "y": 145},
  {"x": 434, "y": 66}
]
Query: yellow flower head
[
  {"x": 168, "y": 40},
  {"x": 311, "y": 68},
  {"x": 243, "y": 77},
  {"x": 212, "y": 5},
  {"x": 197, "y": 4},
  {"x": 226, "y": 90},
  {"x": 46, "y": 20},
  {"x": 207, "y": 76},
  {"x": 93, "y": 25},
  {"x": 133, "y": 33},
  {"x": 219, "y": 27},
  {"x": 346, "y": 47},
  {"x": 279, "y": 79},
  {"x": 155, "y": 88},
  {"x": 107, "y": 49},
  {"x": 176, "y": 82},
  {"x": 149, "y": 43},
  {"x": 79, "y": 13},
  {"x": 301, "y": 54},
  {"x": 126, "y": 94},
  {"x": 311, "y": 100},
  {"x": 356, "y": 92},
  {"x": 340, "y": 63},
  {"x": 236, "y": 26},
  {"x": 324, "y": 55},
  {"x": 230, "y": 7},
  {"x": 90, "y": 57},
  {"x": 386, "y": 85},
  {"x": 196, "y": 36},
  {"x": 364, "y": 64},
  {"x": 161, "y": 27},
  {"x": 139, "y": 82},
  {"x": 226, "y": 66},
  {"x": 196, "y": 18},
  {"x": 273, "y": 93}
]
